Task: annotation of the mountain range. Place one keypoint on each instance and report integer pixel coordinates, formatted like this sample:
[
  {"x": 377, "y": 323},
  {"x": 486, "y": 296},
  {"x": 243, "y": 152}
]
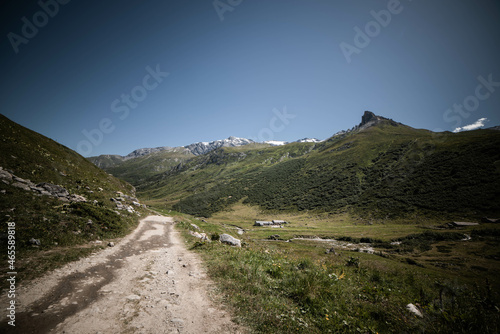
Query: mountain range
[
  {"x": 142, "y": 163},
  {"x": 380, "y": 167},
  {"x": 112, "y": 160},
  {"x": 200, "y": 148}
]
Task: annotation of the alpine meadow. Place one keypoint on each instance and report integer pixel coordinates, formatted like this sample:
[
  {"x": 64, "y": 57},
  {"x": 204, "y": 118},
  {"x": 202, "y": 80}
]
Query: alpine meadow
[
  {"x": 378, "y": 217},
  {"x": 250, "y": 167}
]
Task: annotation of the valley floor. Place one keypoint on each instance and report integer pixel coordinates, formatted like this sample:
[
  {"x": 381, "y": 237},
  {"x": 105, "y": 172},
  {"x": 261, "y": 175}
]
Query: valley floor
[{"x": 147, "y": 283}]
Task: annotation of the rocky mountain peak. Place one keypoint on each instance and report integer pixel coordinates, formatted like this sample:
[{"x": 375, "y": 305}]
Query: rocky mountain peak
[
  {"x": 370, "y": 119},
  {"x": 308, "y": 140},
  {"x": 367, "y": 117},
  {"x": 144, "y": 151},
  {"x": 205, "y": 147}
]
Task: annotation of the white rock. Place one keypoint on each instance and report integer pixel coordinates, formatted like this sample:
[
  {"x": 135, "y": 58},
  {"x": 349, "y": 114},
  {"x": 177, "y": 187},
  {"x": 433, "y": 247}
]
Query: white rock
[
  {"x": 413, "y": 309},
  {"x": 195, "y": 234},
  {"x": 227, "y": 239},
  {"x": 21, "y": 185},
  {"x": 5, "y": 175}
]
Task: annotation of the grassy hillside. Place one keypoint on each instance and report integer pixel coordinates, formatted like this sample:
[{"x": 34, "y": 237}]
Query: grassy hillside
[
  {"x": 385, "y": 171},
  {"x": 216, "y": 175},
  {"x": 139, "y": 169},
  {"x": 107, "y": 160},
  {"x": 59, "y": 224}
]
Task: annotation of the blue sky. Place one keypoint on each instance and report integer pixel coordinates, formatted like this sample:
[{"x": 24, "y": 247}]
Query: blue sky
[{"x": 110, "y": 77}]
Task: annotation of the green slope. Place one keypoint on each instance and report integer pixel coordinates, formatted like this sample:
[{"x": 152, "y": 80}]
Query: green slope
[
  {"x": 138, "y": 169},
  {"x": 216, "y": 170},
  {"x": 386, "y": 170},
  {"x": 59, "y": 225},
  {"x": 106, "y": 160}
]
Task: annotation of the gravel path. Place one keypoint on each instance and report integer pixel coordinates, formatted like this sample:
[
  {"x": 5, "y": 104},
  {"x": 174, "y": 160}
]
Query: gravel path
[{"x": 147, "y": 283}]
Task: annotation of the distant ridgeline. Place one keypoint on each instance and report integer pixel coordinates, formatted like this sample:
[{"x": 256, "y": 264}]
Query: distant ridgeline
[{"x": 380, "y": 167}]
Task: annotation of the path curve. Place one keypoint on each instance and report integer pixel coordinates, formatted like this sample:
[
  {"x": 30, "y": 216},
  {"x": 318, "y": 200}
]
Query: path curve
[{"x": 147, "y": 283}]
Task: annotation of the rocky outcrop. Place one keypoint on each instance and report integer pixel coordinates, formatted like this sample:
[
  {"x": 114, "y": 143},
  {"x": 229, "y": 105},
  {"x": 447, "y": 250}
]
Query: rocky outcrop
[
  {"x": 308, "y": 140},
  {"x": 202, "y": 236},
  {"x": 205, "y": 147},
  {"x": 145, "y": 151},
  {"x": 21, "y": 185},
  {"x": 369, "y": 119},
  {"x": 121, "y": 202},
  {"x": 52, "y": 189},
  {"x": 41, "y": 189},
  {"x": 121, "y": 206},
  {"x": 122, "y": 197},
  {"x": 5, "y": 176}
]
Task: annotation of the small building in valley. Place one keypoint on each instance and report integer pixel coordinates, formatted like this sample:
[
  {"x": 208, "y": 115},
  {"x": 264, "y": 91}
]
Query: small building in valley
[
  {"x": 262, "y": 223},
  {"x": 462, "y": 224},
  {"x": 269, "y": 223}
]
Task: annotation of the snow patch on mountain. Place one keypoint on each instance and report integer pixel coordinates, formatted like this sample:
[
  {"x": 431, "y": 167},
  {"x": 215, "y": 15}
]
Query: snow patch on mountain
[
  {"x": 276, "y": 142},
  {"x": 308, "y": 140},
  {"x": 205, "y": 147}
]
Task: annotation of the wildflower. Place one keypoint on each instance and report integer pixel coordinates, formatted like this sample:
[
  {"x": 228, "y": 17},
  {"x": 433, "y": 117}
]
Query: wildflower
[{"x": 342, "y": 275}]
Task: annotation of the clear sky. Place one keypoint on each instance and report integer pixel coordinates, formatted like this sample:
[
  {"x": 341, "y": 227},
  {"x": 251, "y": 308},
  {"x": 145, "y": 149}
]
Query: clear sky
[{"x": 108, "y": 77}]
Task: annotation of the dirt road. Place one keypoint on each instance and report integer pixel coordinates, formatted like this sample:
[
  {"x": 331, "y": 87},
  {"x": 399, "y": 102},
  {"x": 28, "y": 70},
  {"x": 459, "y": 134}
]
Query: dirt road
[{"x": 147, "y": 283}]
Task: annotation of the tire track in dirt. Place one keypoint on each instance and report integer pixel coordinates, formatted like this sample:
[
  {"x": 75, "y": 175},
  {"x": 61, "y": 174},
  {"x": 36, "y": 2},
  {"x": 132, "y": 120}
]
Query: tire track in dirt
[{"x": 148, "y": 283}]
